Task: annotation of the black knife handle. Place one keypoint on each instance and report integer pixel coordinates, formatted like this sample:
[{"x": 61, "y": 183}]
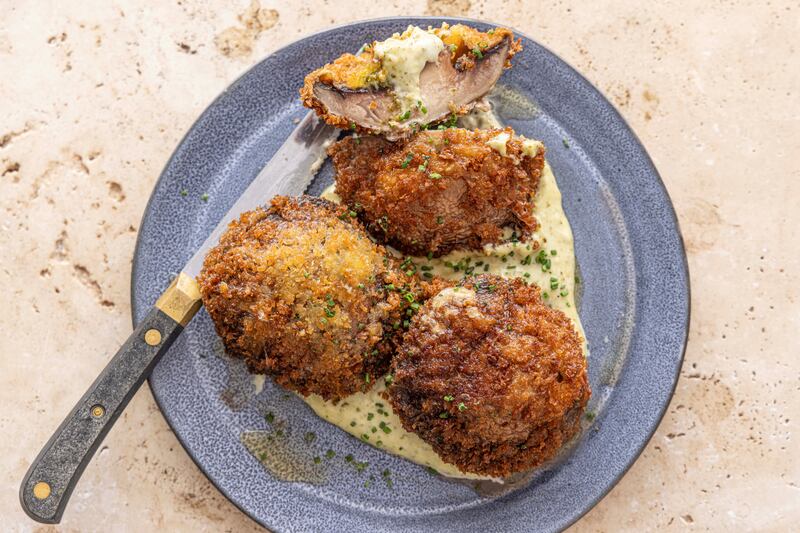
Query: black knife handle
[{"x": 54, "y": 473}]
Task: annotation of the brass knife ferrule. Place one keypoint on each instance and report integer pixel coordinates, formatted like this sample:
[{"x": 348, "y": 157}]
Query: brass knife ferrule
[{"x": 181, "y": 300}]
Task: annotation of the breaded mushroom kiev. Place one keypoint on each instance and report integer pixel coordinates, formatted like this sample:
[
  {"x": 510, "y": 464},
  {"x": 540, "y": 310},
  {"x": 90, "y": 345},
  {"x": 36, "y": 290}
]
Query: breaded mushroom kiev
[
  {"x": 300, "y": 292},
  {"x": 441, "y": 189},
  {"x": 492, "y": 378}
]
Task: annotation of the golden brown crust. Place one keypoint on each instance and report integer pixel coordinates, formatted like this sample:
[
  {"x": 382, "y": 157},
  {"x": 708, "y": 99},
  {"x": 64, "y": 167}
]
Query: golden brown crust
[
  {"x": 363, "y": 71},
  {"x": 299, "y": 291},
  {"x": 440, "y": 190},
  {"x": 467, "y": 44},
  {"x": 491, "y": 377}
]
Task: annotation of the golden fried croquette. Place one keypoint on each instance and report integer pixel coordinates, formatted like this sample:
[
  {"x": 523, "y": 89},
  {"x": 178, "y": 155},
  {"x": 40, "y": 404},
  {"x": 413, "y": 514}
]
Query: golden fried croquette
[
  {"x": 494, "y": 380},
  {"x": 300, "y": 292},
  {"x": 369, "y": 93},
  {"x": 441, "y": 189}
]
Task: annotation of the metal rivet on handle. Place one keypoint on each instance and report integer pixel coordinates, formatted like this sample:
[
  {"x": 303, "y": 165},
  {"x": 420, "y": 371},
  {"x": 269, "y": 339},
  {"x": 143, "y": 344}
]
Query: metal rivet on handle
[
  {"x": 41, "y": 490},
  {"x": 98, "y": 411},
  {"x": 152, "y": 337}
]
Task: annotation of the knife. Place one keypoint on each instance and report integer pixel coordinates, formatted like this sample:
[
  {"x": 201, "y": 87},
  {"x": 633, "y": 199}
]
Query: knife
[{"x": 49, "y": 482}]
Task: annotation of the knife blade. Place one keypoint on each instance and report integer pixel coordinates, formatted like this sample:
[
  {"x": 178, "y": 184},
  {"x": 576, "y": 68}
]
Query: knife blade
[
  {"x": 286, "y": 173},
  {"x": 51, "y": 478}
]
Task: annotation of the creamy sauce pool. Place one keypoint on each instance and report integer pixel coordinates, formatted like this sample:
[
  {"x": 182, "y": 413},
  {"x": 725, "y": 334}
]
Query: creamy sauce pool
[{"x": 551, "y": 266}]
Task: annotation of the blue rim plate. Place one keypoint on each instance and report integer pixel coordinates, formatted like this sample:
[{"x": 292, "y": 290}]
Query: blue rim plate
[{"x": 634, "y": 306}]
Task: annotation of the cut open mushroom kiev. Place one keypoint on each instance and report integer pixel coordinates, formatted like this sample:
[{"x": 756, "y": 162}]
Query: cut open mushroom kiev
[
  {"x": 299, "y": 291},
  {"x": 411, "y": 80}
]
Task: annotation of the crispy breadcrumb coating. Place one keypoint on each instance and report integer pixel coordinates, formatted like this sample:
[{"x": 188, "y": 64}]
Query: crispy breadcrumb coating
[
  {"x": 440, "y": 190},
  {"x": 300, "y": 292},
  {"x": 494, "y": 380}
]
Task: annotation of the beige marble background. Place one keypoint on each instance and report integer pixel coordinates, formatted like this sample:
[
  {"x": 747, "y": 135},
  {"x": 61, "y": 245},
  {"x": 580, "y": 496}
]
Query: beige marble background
[{"x": 94, "y": 96}]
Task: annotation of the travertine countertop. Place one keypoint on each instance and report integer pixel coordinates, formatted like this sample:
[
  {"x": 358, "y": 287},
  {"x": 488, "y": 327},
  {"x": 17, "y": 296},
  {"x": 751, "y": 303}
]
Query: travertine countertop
[{"x": 94, "y": 96}]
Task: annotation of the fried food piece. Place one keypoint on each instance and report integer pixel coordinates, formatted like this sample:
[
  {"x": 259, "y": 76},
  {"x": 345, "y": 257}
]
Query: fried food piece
[
  {"x": 491, "y": 377},
  {"x": 393, "y": 87},
  {"x": 300, "y": 292},
  {"x": 441, "y": 189}
]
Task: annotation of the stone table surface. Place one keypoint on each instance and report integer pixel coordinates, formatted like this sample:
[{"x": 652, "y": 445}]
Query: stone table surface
[{"x": 95, "y": 95}]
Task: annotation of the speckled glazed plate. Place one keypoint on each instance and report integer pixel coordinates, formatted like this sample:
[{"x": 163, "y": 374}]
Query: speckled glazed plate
[{"x": 634, "y": 307}]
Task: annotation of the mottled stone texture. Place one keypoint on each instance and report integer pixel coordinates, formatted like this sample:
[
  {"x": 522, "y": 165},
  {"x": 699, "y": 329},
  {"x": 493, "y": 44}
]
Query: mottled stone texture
[{"x": 94, "y": 97}]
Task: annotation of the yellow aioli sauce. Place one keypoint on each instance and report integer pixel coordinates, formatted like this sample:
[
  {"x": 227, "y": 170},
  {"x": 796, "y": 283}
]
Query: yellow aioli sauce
[{"x": 369, "y": 417}]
